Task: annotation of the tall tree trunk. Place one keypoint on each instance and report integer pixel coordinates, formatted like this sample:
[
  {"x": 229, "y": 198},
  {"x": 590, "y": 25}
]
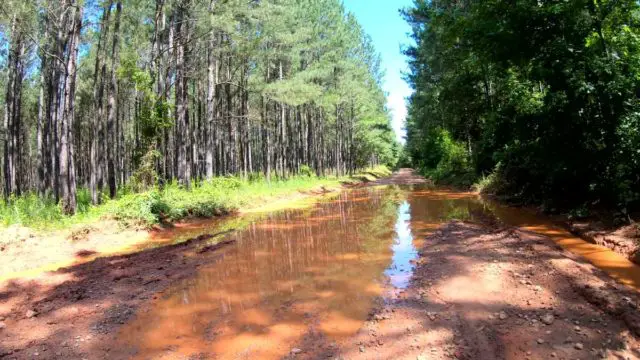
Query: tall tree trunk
[
  {"x": 112, "y": 105},
  {"x": 98, "y": 92},
  {"x": 182, "y": 121},
  {"x": 211, "y": 95},
  {"x": 13, "y": 116},
  {"x": 67, "y": 166}
]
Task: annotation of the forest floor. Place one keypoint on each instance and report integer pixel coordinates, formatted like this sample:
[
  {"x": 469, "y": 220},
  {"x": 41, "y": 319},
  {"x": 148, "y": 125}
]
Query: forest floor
[{"x": 479, "y": 291}]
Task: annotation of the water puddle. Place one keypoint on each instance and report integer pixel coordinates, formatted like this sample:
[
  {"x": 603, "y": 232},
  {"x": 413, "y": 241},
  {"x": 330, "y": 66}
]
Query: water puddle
[
  {"x": 404, "y": 251},
  {"x": 613, "y": 263},
  {"x": 297, "y": 275}
]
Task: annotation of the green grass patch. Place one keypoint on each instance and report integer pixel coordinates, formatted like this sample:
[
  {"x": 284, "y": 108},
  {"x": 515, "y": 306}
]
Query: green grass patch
[
  {"x": 368, "y": 175},
  {"x": 168, "y": 204}
]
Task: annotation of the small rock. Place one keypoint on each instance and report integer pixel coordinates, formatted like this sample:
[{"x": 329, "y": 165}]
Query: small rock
[
  {"x": 578, "y": 346},
  {"x": 602, "y": 353},
  {"x": 421, "y": 357},
  {"x": 553, "y": 355},
  {"x": 30, "y": 314},
  {"x": 503, "y": 315},
  {"x": 540, "y": 341},
  {"x": 361, "y": 348},
  {"x": 295, "y": 351},
  {"x": 2, "y": 325},
  {"x": 577, "y": 329},
  {"x": 548, "y": 319}
]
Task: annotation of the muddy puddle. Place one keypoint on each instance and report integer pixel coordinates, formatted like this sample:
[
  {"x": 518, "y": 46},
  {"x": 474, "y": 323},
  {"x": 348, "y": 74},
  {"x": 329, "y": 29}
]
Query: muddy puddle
[{"x": 301, "y": 279}]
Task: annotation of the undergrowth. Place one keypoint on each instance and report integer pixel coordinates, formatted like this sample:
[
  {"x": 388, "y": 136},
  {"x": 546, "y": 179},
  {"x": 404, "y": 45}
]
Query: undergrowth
[{"x": 170, "y": 203}]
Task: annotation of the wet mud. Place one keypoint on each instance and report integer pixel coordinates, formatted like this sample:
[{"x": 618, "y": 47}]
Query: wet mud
[{"x": 396, "y": 270}]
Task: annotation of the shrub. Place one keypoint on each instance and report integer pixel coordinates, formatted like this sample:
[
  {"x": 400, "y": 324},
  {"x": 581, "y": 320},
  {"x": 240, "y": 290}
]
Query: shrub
[
  {"x": 306, "y": 170},
  {"x": 447, "y": 161},
  {"x": 29, "y": 209},
  {"x": 143, "y": 208}
]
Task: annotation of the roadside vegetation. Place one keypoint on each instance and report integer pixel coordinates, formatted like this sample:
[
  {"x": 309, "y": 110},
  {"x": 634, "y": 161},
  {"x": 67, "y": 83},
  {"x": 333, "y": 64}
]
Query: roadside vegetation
[
  {"x": 138, "y": 109},
  {"x": 173, "y": 202},
  {"x": 536, "y": 102}
]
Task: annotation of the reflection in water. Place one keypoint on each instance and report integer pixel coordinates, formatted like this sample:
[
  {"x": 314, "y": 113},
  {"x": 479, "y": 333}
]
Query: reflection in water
[
  {"x": 285, "y": 275},
  {"x": 404, "y": 251},
  {"x": 318, "y": 270}
]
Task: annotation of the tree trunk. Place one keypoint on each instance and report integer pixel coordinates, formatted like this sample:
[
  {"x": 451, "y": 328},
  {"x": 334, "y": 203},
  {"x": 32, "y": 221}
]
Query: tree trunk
[
  {"x": 67, "y": 166},
  {"x": 211, "y": 95},
  {"x": 112, "y": 105},
  {"x": 182, "y": 121},
  {"x": 98, "y": 92}
]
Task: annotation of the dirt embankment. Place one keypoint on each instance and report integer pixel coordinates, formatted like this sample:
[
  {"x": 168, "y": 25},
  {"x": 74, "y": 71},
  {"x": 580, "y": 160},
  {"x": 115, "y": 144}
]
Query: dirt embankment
[{"x": 621, "y": 239}]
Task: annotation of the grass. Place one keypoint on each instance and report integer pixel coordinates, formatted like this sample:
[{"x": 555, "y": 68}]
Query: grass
[
  {"x": 171, "y": 203},
  {"x": 368, "y": 175},
  {"x": 484, "y": 184}
]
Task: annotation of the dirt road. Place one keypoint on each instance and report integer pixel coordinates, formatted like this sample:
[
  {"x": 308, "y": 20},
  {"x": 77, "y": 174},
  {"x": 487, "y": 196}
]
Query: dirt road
[
  {"x": 482, "y": 293},
  {"x": 478, "y": 291}
]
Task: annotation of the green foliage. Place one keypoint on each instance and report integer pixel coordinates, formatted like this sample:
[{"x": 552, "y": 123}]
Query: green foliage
[
  {"x": 286, "y": 75},
  {"x": 33, "y": 210},
  {"x": 171, "y": 203},
  {"x": 446, "y": 160},
  {"x": 143, "y": 208},
  {"x": 306, "y": 170},
  {"x": 379, "y": 171},
  {"x": 145, "y": 177},
  {"x": 368, "y": 175},
  {"x": 542, "y": 94},
  {"x": 28, "y": 209},
  {"x": 404, "y": 159}
]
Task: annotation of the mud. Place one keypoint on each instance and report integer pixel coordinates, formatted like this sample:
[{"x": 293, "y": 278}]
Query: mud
[
  {"x": 624, "y": 240},
  {"x": 482, "y": 293},
  {"x": 338, "y": 281}
]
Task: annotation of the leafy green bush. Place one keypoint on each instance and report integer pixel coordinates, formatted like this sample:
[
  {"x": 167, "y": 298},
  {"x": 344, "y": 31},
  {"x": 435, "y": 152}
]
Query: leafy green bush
[
  {"x": 143, "y": 208},
  {"x": 28, "y": 209},
  {"x": 447, "y": 161},
  {"x": 306, "y": 170},
  {"x": 226, "y": 182},
  {"x": 83, "y": 198},
  {"x": 256, "y": 177},
  {"x": 493, "y": 183}
]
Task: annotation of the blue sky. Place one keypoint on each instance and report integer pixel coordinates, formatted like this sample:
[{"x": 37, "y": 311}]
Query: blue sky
[{"x": 382, "y": 21}]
